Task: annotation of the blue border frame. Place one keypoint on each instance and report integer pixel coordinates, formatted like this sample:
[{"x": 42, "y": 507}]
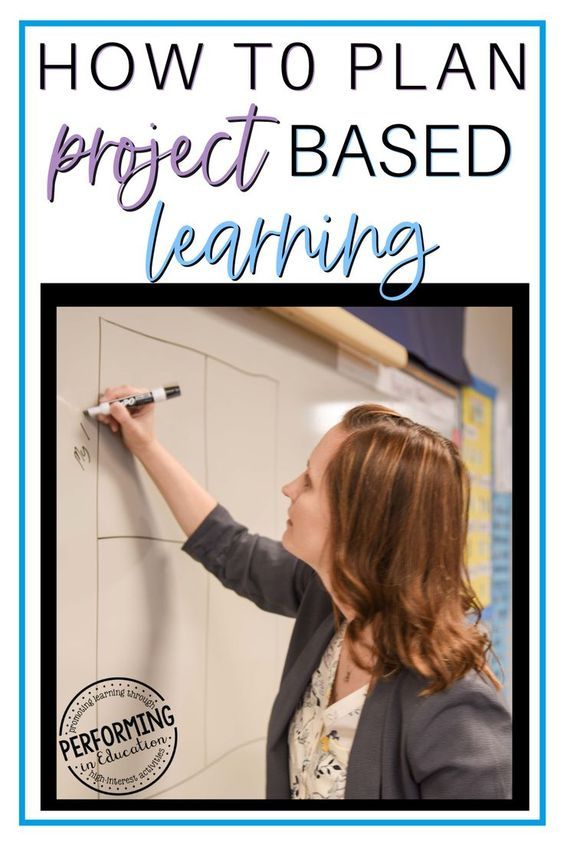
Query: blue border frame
[{"x": 541, "y": 25}]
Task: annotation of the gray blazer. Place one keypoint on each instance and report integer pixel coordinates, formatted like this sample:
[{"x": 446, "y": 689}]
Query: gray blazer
[{"x": 455, "y": 744}]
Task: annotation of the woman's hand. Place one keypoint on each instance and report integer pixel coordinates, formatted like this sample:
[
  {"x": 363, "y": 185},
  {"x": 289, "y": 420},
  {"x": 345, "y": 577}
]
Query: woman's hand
[
  {"x": 188, "y": 500},
  {"x": 137, "y": 426}
]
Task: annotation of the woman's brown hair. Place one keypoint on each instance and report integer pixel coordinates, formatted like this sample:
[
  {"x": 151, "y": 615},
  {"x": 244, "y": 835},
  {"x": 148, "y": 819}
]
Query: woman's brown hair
[{"x": 398, "y": 495}]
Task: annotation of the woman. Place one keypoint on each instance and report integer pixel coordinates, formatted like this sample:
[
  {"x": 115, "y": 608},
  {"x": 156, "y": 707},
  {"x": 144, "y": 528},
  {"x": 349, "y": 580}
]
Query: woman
[{"x": 385, "y": 693}]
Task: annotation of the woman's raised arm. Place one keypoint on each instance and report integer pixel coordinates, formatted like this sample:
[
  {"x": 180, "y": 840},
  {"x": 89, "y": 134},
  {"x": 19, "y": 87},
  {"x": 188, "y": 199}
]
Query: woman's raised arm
[{"x": 188, "y": 500}]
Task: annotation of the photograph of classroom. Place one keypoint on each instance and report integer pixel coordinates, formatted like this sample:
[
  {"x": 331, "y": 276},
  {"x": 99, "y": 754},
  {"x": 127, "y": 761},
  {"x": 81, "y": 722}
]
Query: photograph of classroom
[{"x": 287, "y": 675}]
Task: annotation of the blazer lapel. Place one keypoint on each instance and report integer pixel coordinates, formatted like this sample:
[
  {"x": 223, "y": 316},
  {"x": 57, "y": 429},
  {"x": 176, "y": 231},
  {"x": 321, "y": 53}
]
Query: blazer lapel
[
  {"x": 364, "y": 770},
  {"x": 297, "y": 678}
]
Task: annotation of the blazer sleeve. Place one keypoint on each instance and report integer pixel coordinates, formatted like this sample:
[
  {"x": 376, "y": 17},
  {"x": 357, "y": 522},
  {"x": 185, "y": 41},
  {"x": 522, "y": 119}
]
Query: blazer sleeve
[
  {"x": 459, "y": 743},
  {"x": 255, "y": 567}
]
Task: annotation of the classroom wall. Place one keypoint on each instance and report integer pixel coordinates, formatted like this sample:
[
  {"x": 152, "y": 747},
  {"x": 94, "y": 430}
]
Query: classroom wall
[{"x": 488, "y": 351}]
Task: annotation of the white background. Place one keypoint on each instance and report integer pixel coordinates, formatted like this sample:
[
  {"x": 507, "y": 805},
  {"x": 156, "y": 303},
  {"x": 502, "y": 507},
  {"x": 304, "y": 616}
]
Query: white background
[{"x": 9, "y": 341}]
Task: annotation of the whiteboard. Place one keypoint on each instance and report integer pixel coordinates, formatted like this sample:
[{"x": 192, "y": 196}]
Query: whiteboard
[{"x": 257, "y": 394}]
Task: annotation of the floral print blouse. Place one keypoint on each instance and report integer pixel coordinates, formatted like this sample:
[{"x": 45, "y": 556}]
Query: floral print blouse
[{"x": 320, "y": 737}]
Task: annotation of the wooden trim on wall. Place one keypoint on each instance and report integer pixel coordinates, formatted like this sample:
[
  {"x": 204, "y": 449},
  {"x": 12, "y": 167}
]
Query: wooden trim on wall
[
  {"x": 434, "y": 381},
  {"x": 337, "y": 325}
]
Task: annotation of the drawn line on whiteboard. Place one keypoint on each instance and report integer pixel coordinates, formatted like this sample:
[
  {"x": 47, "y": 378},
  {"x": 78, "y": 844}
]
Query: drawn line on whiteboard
[
  {"x": 97, "y": 627},
  {"x": 191, "y": 349},
  {"x": 245, "y": 372},
  {"x": 208, "y": 580},
  {"x": 211, "y": 764},
  {"x": 276, "y": 432},
  {"x": 140, "y": 537}
]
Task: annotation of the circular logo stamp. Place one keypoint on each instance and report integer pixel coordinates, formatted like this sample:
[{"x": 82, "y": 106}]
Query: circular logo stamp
[{"x": 118, "y": 736}]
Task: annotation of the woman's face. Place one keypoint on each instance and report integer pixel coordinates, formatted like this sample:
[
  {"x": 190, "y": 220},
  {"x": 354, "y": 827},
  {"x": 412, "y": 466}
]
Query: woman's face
[{"x": 308, "y": 514}]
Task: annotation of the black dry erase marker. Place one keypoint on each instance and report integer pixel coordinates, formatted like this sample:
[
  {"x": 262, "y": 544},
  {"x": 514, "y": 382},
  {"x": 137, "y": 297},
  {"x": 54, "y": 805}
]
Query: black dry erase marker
[{"x": 136, "y": 400}]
